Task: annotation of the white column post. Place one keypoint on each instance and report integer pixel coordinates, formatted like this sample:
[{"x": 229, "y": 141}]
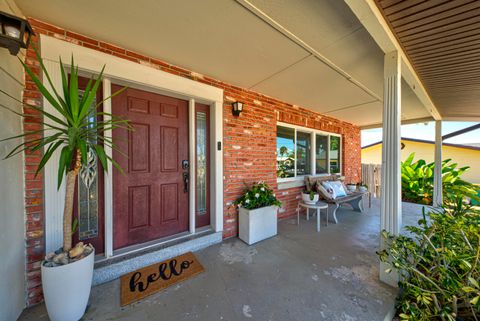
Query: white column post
[
  {"x": 437, "y": 173},
  {"x": 391, "y": 201}
]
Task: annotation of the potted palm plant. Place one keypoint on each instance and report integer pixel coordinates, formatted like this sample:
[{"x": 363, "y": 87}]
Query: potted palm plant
[
  {"x": 77, "y": 132},
  {"x": 257, "y": 214}
]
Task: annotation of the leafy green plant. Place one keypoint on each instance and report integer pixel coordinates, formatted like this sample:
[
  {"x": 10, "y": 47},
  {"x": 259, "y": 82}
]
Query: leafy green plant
[
  {"x": 439, "y": 265},
  {"x": 417, "y": 181},
  {"x": 256, "y": 196},
  {"x": 77, "y": 130}
]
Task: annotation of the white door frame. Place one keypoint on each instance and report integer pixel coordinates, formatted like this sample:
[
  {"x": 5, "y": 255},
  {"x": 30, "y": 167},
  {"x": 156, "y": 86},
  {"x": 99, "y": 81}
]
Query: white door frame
[{"x": 121, "y": 71}]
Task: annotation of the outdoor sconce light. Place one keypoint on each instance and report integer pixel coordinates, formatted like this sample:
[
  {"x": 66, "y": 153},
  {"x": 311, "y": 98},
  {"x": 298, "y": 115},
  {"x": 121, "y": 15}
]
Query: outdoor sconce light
[
  {"x": 237, "y": 108},
  {"x": 15, "y": 33}
]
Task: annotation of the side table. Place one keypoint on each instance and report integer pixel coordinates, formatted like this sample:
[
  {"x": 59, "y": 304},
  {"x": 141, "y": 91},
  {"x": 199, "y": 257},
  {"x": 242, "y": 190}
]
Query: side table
[{"x": 318, "y": 206}]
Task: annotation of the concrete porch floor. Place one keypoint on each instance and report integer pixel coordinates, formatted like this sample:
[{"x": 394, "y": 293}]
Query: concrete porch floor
[{"x": 298, "y": 275}]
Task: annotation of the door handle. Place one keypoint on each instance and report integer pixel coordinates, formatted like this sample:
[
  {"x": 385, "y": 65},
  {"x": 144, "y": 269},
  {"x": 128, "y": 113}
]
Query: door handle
[{"x": 185, "y": 182}]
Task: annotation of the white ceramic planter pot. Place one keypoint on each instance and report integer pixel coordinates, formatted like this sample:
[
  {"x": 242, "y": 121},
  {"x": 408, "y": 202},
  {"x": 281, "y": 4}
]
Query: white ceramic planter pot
[
  {"x": 258, "y": 224},
  {"x": 306, "y": 198},
  {"x": 351, "y": 188},
  {"x": 363, "y": 189},
  {"x": 66, "y": 289}
]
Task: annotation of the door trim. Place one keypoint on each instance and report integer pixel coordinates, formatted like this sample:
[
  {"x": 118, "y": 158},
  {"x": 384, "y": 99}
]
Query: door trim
[{"x": 143, "y": 77}]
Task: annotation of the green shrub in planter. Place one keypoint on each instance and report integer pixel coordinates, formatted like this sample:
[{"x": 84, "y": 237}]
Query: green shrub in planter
[
  {"x": 256, "y": 196},
  {"x": 439, "y": 265}
]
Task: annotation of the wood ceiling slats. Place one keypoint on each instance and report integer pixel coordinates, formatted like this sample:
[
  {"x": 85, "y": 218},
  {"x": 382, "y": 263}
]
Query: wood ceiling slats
[
  {"x": 447, "y": 51},
  {"x": 469, "y": 36},
  {"x": 389, "y": 3},
  {"x": 438, "y": 30},
  {"x": 457, "y": 65},
  {"x": 432, "y": 14},
  {"x": 463, "y": 74},
  {"x": 447, "y": 82},
  {"x": 447, "y": 59},
  {"x": 407, "y": 8},
  {"x": 457, "y": 32},
  {"x": 442, "y": 40}
]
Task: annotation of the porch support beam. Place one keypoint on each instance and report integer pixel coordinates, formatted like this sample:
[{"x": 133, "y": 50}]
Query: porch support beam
[
  {"x": 391, "y": 201},
  {"x": 437, "y": 172}
]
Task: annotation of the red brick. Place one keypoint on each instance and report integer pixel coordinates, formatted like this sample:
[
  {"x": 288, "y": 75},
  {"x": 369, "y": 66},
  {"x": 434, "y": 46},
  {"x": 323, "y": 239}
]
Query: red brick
[
  {"x": 45, "y": 26},
  {"x": 82, "y": 38},
  {"x": 249, "y": 145},
  {"x": 112, "y": 48}
]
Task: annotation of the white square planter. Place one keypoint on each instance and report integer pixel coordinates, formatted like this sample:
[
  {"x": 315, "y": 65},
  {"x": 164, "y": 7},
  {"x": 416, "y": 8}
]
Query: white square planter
[{"x": 258, "y": 224}]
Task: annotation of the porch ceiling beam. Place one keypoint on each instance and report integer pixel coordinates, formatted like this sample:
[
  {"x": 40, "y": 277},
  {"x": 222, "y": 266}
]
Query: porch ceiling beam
[
  {"x": 294, "y": 38},
  {"x": 372, "y": 19},
  {"x": 461, "y": 131},
  {"x": 404, "y": 122}
]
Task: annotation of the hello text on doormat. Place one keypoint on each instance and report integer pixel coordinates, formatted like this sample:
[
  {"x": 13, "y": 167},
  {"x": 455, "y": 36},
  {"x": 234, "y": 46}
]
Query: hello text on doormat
[{"x": 144, "y": 282}]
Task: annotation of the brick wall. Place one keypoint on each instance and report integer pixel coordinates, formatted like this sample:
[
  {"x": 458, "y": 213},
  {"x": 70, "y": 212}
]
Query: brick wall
[{"x": 249, "y": 144}]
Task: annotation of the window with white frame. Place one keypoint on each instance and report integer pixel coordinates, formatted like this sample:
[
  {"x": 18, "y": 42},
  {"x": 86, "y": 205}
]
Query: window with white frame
[{"x": 303, "y": 151}]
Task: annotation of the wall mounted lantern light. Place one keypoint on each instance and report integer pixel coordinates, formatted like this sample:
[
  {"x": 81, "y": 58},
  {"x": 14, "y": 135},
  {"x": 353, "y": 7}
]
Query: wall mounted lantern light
[
  {"x": 237, "y": 108},
  {"x": 15, "y": 32}
]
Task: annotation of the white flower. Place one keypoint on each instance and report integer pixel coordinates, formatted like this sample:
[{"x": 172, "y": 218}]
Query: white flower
[
  {"x": 262, "y": 189},
  {"x": 273, "y": 194},
  {"x": 257, "y": 195},
  {"x": 247, "y": 201}
]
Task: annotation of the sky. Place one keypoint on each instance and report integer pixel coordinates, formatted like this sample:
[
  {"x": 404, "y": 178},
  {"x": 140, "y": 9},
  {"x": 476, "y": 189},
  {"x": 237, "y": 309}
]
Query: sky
[{"x": 426, "y": 131}]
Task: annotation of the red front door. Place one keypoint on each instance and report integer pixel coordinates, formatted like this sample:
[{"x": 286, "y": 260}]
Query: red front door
[{"x": 149, "y": 200}]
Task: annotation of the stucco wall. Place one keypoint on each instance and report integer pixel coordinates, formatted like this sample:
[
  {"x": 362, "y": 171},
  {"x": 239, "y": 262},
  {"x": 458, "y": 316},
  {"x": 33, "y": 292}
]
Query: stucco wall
[
  {"x": 462, "y": 156},
  {"x": 12, "y": 223}
]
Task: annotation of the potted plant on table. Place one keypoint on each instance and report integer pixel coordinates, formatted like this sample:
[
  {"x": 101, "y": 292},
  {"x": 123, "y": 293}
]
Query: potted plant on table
[
  {"x": 351, "y": 187},
  {"x": 77, "y": 131},
  {"x": 257, "y": 215},
  {"x": 309, "y": 195},
  {"x": 363, "y": 188}
]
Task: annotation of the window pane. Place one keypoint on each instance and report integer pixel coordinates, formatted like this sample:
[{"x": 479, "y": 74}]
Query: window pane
[
  {"x": 285, "y": 152},
  {"x": 303, "y": 153},
  {"x": 87, "y": 188},
  {"x": 321, "y": 154},
  {"x": 334, "y": 154},
  {"x": 201, "y": 163}
]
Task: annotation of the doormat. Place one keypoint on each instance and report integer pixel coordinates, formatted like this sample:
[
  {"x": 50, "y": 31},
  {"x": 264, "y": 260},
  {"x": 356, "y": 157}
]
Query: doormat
[{"x": 151, "y": 279}]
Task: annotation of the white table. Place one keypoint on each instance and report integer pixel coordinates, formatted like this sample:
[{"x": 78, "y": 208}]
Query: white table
[{"x": 318, "y": 206}]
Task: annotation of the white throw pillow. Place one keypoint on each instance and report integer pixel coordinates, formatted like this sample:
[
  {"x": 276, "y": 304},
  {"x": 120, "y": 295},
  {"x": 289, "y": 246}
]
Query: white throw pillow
[
  {"x": 326, "y": 193},
  {"x": 329, "y": 190},
  {"x": 337, "y": 187}
]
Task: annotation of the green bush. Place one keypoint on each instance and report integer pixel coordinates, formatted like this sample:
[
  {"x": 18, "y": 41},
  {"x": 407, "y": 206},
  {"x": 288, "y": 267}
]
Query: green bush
[
  {"x": 256, "y": 196},
  {"x": 439, "y": 265},
  {"x": 417, "y": 181}
]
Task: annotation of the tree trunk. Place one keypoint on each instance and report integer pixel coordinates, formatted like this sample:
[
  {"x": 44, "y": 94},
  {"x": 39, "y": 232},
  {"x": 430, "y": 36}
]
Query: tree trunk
[{"x": 69, "y": 197}]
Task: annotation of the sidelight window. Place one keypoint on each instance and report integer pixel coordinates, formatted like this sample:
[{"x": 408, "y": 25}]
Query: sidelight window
[{"x": 88, "y": 189}]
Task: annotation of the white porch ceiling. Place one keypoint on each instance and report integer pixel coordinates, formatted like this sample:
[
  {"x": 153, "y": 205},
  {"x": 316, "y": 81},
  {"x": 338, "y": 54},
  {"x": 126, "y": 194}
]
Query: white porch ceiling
[{"x": 226, "y": 41}]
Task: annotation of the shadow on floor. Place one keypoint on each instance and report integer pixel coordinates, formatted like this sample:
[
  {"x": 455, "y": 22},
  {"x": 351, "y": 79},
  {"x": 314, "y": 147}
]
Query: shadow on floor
[{"x": 298, "y": 275}]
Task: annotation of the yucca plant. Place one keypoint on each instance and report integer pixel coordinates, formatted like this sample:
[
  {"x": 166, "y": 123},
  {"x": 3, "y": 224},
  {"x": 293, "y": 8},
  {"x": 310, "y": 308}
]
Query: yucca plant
[{"x": 77, "y": 130}]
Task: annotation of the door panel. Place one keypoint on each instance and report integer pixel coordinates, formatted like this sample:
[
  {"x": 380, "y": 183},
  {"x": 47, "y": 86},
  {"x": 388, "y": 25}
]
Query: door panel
[{"x": 149, "y": 201}]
